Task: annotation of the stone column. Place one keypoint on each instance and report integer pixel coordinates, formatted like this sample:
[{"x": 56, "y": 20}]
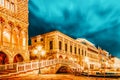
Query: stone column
[
  {"x": 56, "y": 43},
  {"x": 11, "y": 36},
  {"x": 1, "y": 35}
]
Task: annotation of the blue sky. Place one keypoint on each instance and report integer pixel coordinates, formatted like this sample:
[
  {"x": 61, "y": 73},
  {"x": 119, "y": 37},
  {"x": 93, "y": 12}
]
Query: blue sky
[{"x": 96, "y": 20}]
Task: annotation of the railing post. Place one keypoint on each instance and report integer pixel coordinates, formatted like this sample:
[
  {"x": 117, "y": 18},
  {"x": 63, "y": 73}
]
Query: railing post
[
  {"x": 17, "y": 66},
  {"x": 5, "y": 67},
  {"x": 24, "y": 67}
]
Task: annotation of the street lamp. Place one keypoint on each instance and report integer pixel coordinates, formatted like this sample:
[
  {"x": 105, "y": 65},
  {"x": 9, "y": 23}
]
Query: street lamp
[{"x": 40, "y": 53}]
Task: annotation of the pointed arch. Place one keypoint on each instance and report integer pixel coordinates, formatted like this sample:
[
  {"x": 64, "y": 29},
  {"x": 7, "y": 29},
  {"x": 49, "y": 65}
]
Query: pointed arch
[
  {"x": 60, "y": 57},
  {"x": 3, "y": 58},
  {"x": 18, "y": 58}
]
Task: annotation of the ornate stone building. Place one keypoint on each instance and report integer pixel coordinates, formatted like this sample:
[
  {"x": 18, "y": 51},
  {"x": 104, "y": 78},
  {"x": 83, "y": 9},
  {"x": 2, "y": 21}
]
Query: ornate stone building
[
  {"x": 13, "y": 31},
  {"x": 92, "y": 58},
  {"x": 60, "y": 46}
]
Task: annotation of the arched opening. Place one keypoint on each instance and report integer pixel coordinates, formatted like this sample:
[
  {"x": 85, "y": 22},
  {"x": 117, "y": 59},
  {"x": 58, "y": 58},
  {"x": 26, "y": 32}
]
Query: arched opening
[
  {"x": 66, "y": 58},
  {"x": 60, "y": 57},
  {"x": 15, "y": 37},
  {"x": 3, "y": 58},
  {"x": 18, "y": 58},
  {"x": 50, "y": 57},
  {"x": 6, "y": 35},
  {"x": 64, "y": 69},
  {"x": 23, "y": 38}
]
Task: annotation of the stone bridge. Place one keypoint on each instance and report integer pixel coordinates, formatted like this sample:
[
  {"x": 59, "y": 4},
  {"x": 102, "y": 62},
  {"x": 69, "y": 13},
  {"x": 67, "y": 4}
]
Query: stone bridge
[{"x": 46, "y": 66}]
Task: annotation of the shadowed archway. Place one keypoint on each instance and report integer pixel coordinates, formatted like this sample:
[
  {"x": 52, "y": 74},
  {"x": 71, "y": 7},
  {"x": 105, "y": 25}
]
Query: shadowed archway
[
  {"x": 18, "y": 58},
  {"x": 64, "y": 69},
  {"x": 60, "y": 57},
  {"x": 3, "y": 58}
]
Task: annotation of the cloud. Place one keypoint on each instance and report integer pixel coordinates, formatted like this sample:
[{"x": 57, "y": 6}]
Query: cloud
[{"x": 95, "y": 20}]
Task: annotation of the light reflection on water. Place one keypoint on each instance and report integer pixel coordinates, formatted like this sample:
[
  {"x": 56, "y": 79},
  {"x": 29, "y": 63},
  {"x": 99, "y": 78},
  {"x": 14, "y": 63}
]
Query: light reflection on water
[
  {"x": 72, "y": 77},
  {"x": 93, "y": 78},
  {"x": 56, "y": 77}
]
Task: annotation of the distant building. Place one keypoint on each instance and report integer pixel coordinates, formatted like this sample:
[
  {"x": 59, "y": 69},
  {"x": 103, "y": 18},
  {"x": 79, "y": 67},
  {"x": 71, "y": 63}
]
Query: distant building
[
  {"x": 13, "y": 31},
  {"x": 60, "y": 46},
  {"x": 116, "y": 63},
  {"x": 92, "y": 54}
]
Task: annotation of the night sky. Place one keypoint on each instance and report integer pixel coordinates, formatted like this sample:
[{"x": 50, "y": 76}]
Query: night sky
[{"x": 95, "y": 20}]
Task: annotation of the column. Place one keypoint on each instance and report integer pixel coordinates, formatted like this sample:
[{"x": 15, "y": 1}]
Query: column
[
  {"x": 56, "y": 44},
  {"x": 11, "y": 36},
  {"x": 68, "y": 47},
  {"x": 0, "y": 33},
  {"x": 1, "y": 43}
]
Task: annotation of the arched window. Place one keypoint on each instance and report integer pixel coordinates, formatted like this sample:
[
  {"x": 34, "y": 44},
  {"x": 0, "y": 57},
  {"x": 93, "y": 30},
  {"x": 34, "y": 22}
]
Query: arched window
[
  {"x": 6, "y": 35},
  {"x": 7, "y": 4}
]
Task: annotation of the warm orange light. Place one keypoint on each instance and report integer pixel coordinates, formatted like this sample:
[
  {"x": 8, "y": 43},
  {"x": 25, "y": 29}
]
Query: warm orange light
[
  {"x": 86, "y": 59},
  {"x": 43, "y": 52},
  {"x": 35, "y": 51},
  {"x": 39, "y": 48}
]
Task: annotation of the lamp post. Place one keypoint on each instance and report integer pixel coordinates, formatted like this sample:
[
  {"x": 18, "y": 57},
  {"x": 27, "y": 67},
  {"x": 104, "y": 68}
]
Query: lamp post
[{"x": 40, "y": 53}]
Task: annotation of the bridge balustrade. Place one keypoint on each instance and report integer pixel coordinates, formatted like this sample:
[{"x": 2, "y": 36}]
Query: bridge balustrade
[{"x": 23, "y": 67}]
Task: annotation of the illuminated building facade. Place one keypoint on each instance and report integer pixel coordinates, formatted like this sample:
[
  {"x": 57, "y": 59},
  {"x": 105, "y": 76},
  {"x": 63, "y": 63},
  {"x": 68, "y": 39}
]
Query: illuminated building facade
[
  {"x": 104, "y": 59},
  {"x": 60, "y": 46},
  {"x": 116, "y": 63},
  {"x": 13, "y": 31},
  {"x": 92, "y": 58}
]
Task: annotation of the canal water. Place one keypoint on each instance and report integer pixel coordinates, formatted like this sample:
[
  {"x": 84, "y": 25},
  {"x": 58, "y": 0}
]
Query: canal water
[
  {"x": 55, "y": 77},
  {"x": 72, "y": 77}
]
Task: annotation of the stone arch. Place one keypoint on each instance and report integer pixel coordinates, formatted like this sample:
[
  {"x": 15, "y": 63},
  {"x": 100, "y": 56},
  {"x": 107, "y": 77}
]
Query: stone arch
[
  {"x": 64, "y": 69},
  {"x": 11, "y": 24},
  {"x": 18, "y": 58},
  {"x": 60, "y": 57},
  {"x": 2, "y": 19},
  {"x": 4, "y": 59},
  {"x": 66, "y": 58},
  {"x": 51, "y": 57}
]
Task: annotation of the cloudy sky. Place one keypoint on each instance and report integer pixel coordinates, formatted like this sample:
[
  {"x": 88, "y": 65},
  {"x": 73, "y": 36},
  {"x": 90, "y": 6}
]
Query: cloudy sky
[{"x": 95, "y": 20}]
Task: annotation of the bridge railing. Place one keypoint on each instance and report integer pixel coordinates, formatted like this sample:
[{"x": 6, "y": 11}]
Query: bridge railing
[
  {"x": 24, "y": 67},
  {"x": 8, "y": 66}
]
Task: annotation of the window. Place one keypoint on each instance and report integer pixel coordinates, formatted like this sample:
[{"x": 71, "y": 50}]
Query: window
[
  {"x": 79, "y": 51},
  {"x": 12, "y": 7},
  {"x": 60, "y": 45},
  {"x": 82, "y": 52},
  {"x": 24, "y": 41},
  {"x": 65, "y": 47},
  {"x": 85, "y": 53},
  {"x": 75, "y": 50},
  {"x": 35, "y": 40},
  {"x": 41, "y": 39},
  {"x": 70, "y": 48},
  {"x": 51, "y": 45},
  {"x": 2, "y": 2},
  {"x": 8, "y": 4}
]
